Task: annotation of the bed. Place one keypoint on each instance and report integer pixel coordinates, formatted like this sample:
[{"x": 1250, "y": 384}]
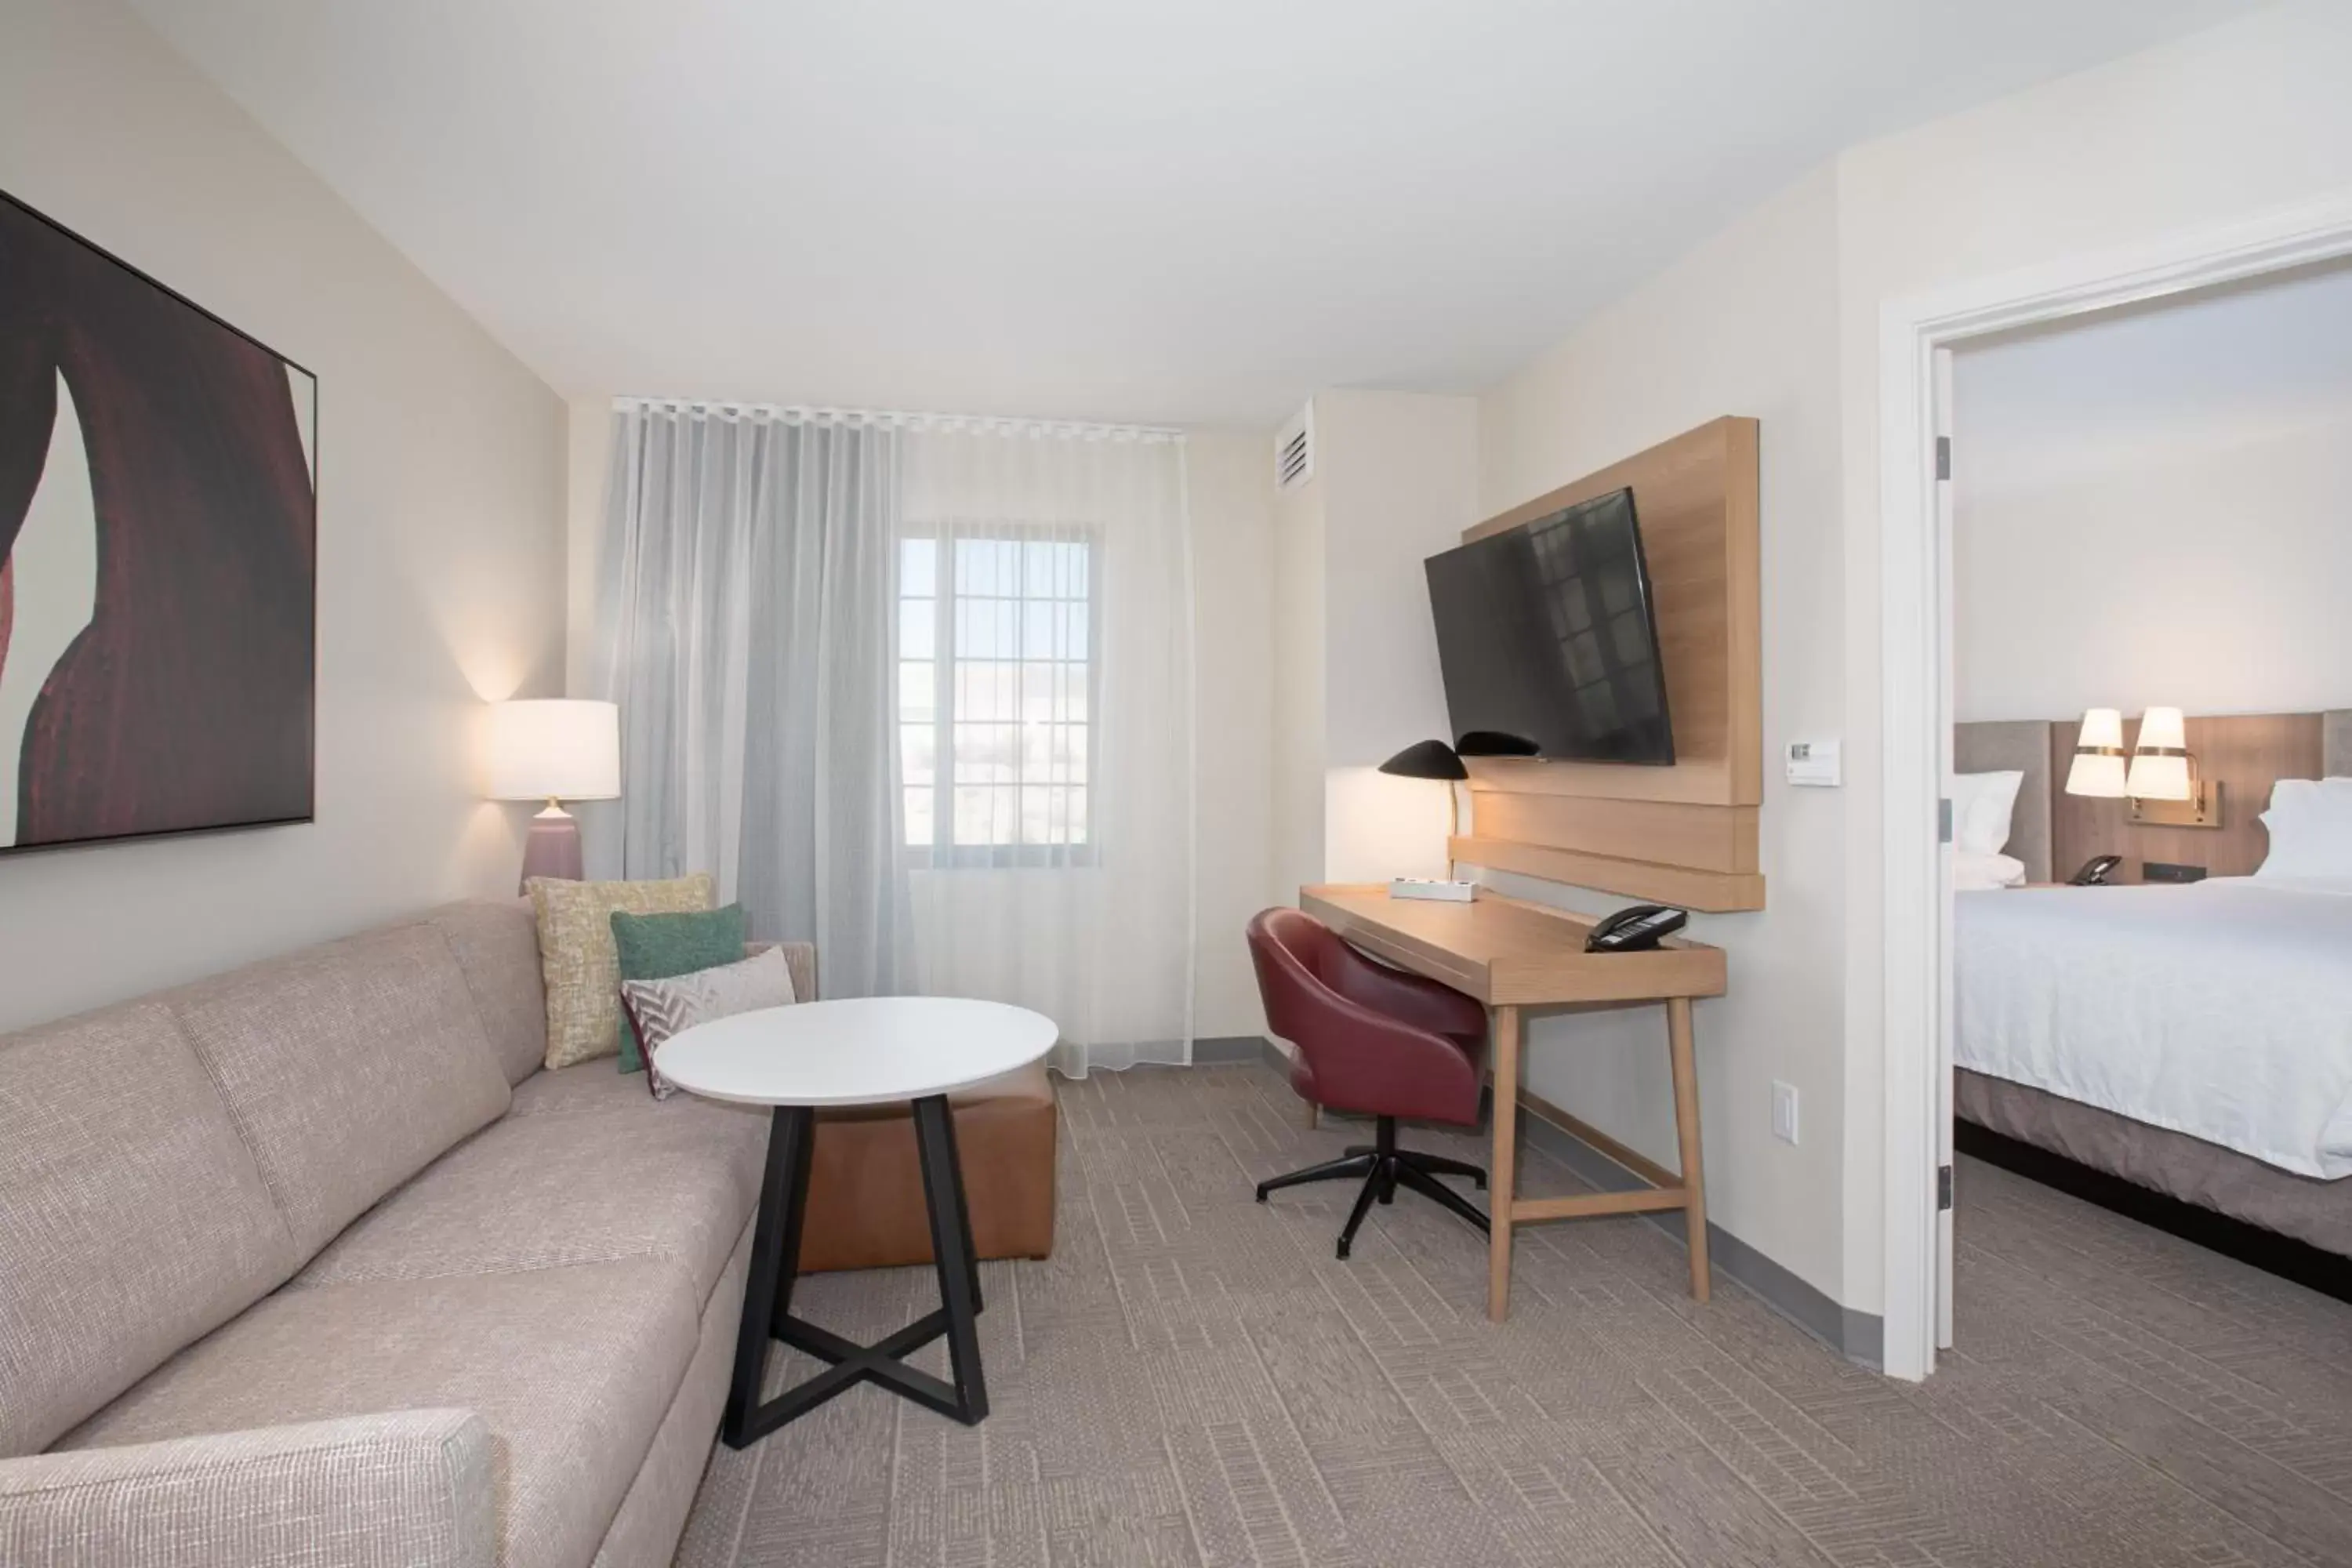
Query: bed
[{"x": 2194, "y": 1041}]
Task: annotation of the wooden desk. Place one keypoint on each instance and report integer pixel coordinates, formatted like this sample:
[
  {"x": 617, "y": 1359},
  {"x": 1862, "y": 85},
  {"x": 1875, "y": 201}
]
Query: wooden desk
[{"x": 1511, "y": 954}]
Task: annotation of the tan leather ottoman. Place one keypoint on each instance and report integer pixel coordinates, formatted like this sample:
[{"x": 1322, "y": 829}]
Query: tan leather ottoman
[{"x": 866, "y": 1203}]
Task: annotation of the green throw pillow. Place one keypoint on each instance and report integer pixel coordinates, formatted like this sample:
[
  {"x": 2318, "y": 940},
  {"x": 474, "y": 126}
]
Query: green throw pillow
[{"x": 662, "y": 947}]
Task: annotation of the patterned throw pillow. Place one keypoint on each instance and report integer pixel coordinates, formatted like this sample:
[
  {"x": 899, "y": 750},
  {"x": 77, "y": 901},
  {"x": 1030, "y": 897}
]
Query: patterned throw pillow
[
  {"x": 659, "y": 947},
  {"x": 583, "y": 967},
  {"x": 662, "y": 1007}
]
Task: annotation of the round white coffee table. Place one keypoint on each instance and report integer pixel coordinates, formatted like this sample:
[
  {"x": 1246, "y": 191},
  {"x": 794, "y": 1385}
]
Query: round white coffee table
[{"x": 861, "y": 1052}]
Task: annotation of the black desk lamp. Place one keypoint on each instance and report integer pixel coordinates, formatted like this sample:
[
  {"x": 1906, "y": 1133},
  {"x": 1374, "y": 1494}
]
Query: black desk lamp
[{"x": 1433, "y": 760}]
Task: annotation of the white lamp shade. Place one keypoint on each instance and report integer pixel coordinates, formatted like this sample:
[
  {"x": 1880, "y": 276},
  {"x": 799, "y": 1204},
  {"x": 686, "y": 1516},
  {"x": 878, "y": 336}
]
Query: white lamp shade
[
  {"x": 2098, "y": 765},
  {"x": 2155, "y": 775},
  {"x": 2162, "y": 726},
  {"x": 2158, "y": 778},
  {"x": 2102, "y": 726},
  {"x": 2093, "y": 774},
  {"x": 555, "y": 749}
]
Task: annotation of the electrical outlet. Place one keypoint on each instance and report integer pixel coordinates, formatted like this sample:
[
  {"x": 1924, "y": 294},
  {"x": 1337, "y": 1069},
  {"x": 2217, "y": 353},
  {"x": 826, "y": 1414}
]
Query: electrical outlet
[{"x": 1784, "y": 1111}]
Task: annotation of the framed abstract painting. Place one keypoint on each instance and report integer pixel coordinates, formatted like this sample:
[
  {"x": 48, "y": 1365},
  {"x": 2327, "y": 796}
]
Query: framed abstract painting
[{"x": 158, "y": 556}]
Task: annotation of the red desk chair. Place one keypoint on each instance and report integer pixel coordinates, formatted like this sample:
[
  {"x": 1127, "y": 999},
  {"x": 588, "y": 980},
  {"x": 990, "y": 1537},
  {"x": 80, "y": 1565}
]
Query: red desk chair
[{"x": 1375, "y": 1041}]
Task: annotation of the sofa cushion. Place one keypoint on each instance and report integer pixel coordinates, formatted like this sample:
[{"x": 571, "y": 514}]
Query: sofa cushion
[
  {"x": 656, "y": 1009},
  {"x": 132, "y": 1218},
  {"x": 578, "y": 962},
  {"x": 497, "y": 944},
  {"x": 660, "y": 947},
  {"x": 347, "y": 1067},
  {"x": 591, "y": 1087},
  {"x": 571, "y": 1369},
  {"x": 537, "y": 1192}
]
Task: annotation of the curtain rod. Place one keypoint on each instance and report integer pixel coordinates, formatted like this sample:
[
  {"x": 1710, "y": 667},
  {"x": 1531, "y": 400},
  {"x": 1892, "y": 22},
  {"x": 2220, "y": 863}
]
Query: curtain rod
[{"x": 986, "y": 423}]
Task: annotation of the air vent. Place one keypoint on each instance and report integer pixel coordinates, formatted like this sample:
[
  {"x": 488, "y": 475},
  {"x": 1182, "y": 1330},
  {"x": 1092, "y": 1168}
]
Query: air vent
[{"x": 1294, "y": 450}]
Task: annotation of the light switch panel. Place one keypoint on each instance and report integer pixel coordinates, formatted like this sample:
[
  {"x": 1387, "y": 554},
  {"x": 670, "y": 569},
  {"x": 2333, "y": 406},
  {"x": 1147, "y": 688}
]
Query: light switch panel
[{"x": 1814, "y": 763}]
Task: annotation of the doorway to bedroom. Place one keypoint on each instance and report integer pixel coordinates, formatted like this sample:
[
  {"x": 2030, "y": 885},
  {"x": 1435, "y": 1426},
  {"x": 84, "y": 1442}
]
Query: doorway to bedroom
[
  {"x": 1907, "y": 597},
  {"x": 2148, "y": 927}
]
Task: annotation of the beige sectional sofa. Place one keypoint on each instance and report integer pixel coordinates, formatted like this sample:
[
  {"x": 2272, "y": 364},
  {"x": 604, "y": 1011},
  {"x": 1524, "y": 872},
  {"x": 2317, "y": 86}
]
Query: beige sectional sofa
[{"x": 312, "y": 1264}]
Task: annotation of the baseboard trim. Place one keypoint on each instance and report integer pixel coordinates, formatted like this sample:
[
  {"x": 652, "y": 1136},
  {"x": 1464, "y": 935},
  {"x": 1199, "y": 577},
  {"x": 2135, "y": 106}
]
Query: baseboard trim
[
  {"x": 1612, "y": 1167},
  {"x": 1218, "y": 1050}
]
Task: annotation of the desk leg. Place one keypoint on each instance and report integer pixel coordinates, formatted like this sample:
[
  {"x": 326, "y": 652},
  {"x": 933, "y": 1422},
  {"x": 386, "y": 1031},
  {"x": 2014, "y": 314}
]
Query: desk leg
[
  {"x": 1678, "y": 1039},
  {"x": 1505, "y": 1184}
]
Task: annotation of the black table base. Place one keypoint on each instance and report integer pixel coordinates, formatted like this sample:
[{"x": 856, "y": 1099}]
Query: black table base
[{"x": 776, "y": 1265}]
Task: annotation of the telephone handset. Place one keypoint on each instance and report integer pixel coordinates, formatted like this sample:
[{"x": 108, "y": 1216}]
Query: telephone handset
[
  {"x": 1636, "y": 929},
  {"x": 2095, "y": 871}
]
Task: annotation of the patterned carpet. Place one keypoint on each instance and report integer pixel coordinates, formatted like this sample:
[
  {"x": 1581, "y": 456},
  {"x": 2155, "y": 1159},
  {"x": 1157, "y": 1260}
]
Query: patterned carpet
[{"x": 1195, "y": 1379}]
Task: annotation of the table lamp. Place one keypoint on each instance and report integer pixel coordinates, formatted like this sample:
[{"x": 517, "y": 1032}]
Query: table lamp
[
  {"x": 2098, "y": 765},
  {"x": 555, "y": 749},
  {"x": 1433, "y": 760}
]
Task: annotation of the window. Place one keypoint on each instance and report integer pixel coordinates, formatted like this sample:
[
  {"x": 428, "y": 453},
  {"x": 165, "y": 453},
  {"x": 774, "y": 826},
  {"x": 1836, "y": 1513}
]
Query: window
[{"x": 996, "y": 696}]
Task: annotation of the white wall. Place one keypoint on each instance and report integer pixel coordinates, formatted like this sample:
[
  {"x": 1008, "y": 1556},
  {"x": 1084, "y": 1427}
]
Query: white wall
[
  {"x": 2237, "y": 120},
  {"x": 1399, "y": 478},
  {"x": 1747, "y": 325},
  {"x": 440, "y": 542},
  {"x": 1296, "y": 676},
  {"x": 2211, "y": 581},
  {"x": 1229, "y": 476},
  {"x": 1778, "y": 316}
]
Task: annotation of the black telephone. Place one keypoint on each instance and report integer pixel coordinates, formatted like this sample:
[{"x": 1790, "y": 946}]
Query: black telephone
[
  {"x": 1635, "y": 929},
  {"x": 2095, "y": 871}
]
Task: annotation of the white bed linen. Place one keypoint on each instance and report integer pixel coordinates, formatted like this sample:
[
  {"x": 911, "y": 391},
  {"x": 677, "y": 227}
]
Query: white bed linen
[
  {"x": 2222, "y": 1009},
  {"x": 1973, "y": 873}
]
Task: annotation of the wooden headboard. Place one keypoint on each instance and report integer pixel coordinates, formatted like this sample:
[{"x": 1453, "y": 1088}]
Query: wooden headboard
[
  {"x": 2246, "y": 754},
  {"x": 1687, "y": 833}
]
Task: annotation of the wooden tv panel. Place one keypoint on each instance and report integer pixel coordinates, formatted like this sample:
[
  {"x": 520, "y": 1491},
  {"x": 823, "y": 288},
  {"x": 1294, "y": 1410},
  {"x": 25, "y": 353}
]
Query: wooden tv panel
[{"x": 1684, "y": 835}]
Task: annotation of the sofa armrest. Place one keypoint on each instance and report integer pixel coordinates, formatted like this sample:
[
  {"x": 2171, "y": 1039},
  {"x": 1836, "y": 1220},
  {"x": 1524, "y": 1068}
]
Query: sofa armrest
[
  {"x": 411, "y": 1487},
  {"x": 800, "y": 956}
]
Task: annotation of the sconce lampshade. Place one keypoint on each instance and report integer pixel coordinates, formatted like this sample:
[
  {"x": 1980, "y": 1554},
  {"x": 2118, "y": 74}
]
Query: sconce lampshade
[
  {"x": 2098, "y": 765},
  {"x": 2159, "y": 763},
  {"x": 555, "y": 749},
  {"x": 1426, "y": 760}
]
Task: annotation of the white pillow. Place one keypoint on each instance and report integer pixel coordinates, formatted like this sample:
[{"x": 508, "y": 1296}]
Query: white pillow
[
  {"x": 660, "y": 1008},
  {"x": 2310, "y": 822},
  {"x": 1982, "y": 804}
]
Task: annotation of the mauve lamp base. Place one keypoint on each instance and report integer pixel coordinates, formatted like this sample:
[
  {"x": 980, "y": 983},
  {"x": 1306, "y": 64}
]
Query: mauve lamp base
[{"x": 553, "y": 847}]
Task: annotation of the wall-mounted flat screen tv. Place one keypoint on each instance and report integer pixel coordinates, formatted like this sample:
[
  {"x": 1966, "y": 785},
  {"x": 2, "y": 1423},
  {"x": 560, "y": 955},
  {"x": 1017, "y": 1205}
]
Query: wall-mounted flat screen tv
[{"x": 1549, "y": 640}]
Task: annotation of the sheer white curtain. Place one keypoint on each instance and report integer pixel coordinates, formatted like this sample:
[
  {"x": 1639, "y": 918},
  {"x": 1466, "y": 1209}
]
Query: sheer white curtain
[
  {"x": 746, "y": 608},
  {"x": 919, "y": 691},
  {"x": 1046, "y": 724}
]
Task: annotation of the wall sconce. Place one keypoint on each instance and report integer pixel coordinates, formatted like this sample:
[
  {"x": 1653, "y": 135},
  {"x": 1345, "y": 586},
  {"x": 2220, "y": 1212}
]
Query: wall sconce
[
  {"x": 2162, "y": 786},
  {"x": 2098, "y": 766}
]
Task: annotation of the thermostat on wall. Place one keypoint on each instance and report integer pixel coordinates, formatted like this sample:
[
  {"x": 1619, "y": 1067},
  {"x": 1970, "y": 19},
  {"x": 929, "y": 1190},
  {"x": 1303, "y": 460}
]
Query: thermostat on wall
[{"x": 1814, "y": 763}]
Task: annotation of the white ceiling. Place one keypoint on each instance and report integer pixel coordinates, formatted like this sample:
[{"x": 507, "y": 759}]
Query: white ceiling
[
  {"x": 2201, "y": 373},
  {"x": 1193, "y": 212}
]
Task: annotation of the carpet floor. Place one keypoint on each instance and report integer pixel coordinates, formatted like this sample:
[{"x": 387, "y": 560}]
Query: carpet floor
[{"x": 1193, "y": 1378}]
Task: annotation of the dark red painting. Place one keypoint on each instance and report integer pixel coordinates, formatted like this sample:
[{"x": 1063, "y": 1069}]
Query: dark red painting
[{"x": 158, "y": 543}]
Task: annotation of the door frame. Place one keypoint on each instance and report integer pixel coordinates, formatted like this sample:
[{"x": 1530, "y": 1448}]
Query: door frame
[{"x": 1914, "y": 663}]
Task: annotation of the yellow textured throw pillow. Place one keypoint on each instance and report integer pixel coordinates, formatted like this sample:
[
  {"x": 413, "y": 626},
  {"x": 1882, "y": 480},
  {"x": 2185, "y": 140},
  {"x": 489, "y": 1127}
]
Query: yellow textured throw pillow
[{"x": 583, "y": 967}]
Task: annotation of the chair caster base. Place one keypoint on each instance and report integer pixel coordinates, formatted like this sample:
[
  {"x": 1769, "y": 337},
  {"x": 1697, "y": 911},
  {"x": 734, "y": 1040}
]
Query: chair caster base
[{"x": 1384, "y": 1168}]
